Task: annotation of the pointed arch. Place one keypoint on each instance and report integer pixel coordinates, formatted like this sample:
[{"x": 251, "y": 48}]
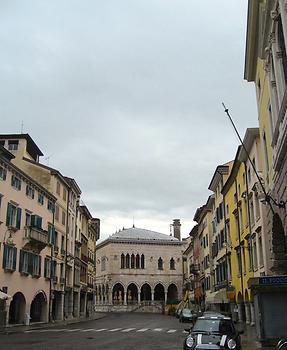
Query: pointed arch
[
  {"x": 145, "y": 292},
  {"x": 160, "y": 264},
  {"x": 118, "y": 293},
  {"x": 123, "y": 261},
  {"x": 127, "y": 261},
  {"x": 142, "y": 261},
  {"x": 132, "y": 293},
  {"x": 133, "y": 260},
  {"x": 159, "y": 292},
  {"x": 137, "y": 261},
  {"x": 172, "y": 292},
  {"x": 172, "y": 264},
  {"x": 17, "y": 309}
]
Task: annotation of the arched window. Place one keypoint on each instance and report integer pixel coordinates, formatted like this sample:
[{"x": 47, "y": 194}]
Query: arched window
[
  {"x": 132, "y": 261},
  {"x": 172, "y": 264},
  {"x": 160, "y": 264},
  {"x": 127, "y": 261},
  {"x": 142, "y": 261},
  {"x": 122, "y": 261},
  {"x": 137, "y": 261}
]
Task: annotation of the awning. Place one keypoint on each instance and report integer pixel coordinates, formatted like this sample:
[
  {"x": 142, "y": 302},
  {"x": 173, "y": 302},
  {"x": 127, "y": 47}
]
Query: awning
[
  {"x": 4, "y": 296},
  {"x": 219, "y": 297}
]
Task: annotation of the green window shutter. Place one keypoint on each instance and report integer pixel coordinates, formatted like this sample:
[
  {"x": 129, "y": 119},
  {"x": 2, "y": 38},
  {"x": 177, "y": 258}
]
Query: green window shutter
[
  {"x": 51, "y": 234},
  {"x": 18, "y": 218},
  {"x": 38, "y": 221},
  {"x": 14, "y": 257},
  {"x": 30, "y": 263},
  {"x": 33, "y": 220},
  {"x": 39, "y": 265},
  {"x": 21, "y": 260},
  {"x": 45, "y": 267},
  {"x": 53, "y": 268},
  {"x": 5, "y": 256},
  {"x": 9, "y": 215}
]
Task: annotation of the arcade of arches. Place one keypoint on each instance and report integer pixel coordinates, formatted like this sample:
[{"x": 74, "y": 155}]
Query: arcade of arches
[
  {"x": 134, "y": 294},
  {"x": 19, "y": 310}
]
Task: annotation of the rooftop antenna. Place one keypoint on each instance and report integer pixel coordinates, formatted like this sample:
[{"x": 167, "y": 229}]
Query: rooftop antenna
[
  {"x": 47, "y": 159},
  {"x": 22, "y": 126},
  {"x": 133, "y": 222}
]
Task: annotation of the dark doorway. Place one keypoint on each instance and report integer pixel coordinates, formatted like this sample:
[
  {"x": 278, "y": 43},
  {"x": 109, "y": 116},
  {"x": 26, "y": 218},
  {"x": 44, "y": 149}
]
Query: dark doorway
[
  {"x": 38, "y": 308},
  {"x": 17, "y": 309},
  {"x": 146, "y": 292},
  {"x": 159, "y": 292}
]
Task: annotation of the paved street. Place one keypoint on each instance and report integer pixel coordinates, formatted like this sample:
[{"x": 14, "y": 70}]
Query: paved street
[{"x": 115, "y": 331}]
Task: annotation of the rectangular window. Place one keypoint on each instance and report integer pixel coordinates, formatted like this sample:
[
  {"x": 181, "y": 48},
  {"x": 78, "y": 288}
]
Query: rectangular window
[
  {"x": 16, "y": 182},
  {"x": 64, "y": 194},
  {"x": 36, "y": 221},
  {"x": 260, "y": 251},
  {"x": 47, "y": 268},
  {"x": 51, "y": 234},
  {"x": 40, "y": 198},
  {"x": 51, "y": 205},
  {"x": 28, "y": 219},
  {"x": 257, "y": 207},
  {"x": 103, "y": 264},
  {"x": 13, "y": 145},
  {"x": 58, "y": 189},
  {"x": 251, "y": 211},
  {"x": 239, "y": 267},
  {"x": 9, "y": 257},
  {"x": 255, "y": 261},
  {"x": 57, "y": 210},
  {"x": 13, "y": 217},
  {"x": 24, "y": 262},
  {"x": 30, "y": 192},
  {"x": 63, "y": 217},
  {"x": 3, "y": 173},
  {"x": 34, "y": 264}
]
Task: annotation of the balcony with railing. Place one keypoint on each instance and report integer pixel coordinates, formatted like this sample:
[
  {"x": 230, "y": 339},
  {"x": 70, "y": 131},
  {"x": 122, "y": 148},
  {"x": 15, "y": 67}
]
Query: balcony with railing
[{"x": 35, "y": 238}]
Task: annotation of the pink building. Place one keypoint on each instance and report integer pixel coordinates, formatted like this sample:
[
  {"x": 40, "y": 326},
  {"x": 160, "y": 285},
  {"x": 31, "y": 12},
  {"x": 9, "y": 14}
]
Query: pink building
[{"x": 26, "y": 235}]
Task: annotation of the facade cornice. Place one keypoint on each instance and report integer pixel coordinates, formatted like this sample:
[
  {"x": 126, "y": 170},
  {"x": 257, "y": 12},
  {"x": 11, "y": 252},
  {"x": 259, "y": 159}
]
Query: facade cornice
[{"x": 139, "y": 242}]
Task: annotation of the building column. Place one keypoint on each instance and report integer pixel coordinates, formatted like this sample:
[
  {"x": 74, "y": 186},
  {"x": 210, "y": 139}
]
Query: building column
[
  {"x": 165, "y": 297},
  {"x": 139, "y": 297},
  {"x": 252, "y": 314},
  {"x": 85, "y": 304},
  {"x": 240, "y": 316},
  {"x": 111, "y": 297},
  {"x": 152, "y": 295},
  {"x": 125, "y": 297},
  {"x": 27, "y": 316},
  {"x": 247, "y": 312}
]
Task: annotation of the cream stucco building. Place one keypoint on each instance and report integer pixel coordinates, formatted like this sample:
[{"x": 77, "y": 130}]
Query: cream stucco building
[{"x": 138, "y": 269}]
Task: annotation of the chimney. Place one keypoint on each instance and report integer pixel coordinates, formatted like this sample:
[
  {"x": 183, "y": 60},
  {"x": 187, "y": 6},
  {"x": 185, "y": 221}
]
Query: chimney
[{"x": 176, "y": 229}]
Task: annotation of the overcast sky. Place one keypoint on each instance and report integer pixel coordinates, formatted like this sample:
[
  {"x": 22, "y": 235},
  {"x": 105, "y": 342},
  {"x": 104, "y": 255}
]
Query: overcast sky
[{"x": 125, "y": 97}]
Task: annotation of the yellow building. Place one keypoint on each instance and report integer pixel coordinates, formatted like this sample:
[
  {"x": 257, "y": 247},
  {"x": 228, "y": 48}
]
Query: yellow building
[
  {"x": 266, "y": 67},
  {"x": 244, "y": 224}
]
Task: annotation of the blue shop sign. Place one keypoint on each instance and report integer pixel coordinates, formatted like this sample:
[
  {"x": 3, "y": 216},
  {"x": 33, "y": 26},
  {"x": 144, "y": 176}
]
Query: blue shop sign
[{"x": 272, "y": 280}]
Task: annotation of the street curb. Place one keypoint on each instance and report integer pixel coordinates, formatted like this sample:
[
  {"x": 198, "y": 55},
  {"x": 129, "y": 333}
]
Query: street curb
[{"x": 22, "y": 329}]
